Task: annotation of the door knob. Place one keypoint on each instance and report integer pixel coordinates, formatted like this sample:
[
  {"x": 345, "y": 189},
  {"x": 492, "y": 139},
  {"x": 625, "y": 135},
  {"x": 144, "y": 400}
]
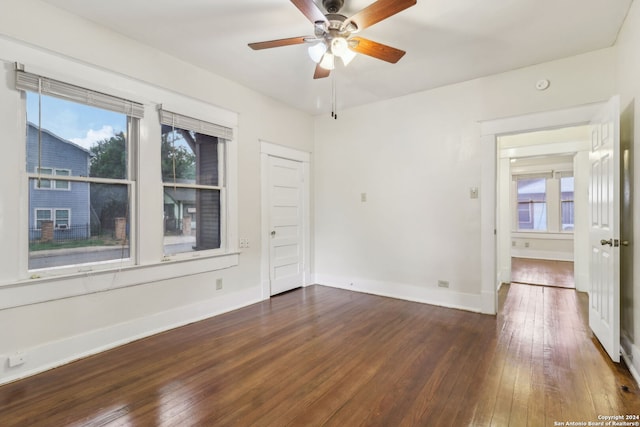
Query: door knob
[
  {"x": 625, "y": 243},
  {"x": 606, "y": 242}
]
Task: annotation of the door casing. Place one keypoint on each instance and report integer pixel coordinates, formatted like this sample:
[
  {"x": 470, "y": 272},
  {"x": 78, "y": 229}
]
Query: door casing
[{"x": 268, "y": 149}]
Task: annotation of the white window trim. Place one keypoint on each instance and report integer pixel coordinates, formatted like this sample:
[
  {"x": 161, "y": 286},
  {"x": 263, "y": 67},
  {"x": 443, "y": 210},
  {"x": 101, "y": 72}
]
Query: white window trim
[
  {"x": 36, "y": 219},
  {"x": 23, "y": 287},
  {"x": 227, "y": 178},
  {"x": 554, "y": 207},
  {"x": 55, "y": 217},
  {"x": 54, "y": 171}
]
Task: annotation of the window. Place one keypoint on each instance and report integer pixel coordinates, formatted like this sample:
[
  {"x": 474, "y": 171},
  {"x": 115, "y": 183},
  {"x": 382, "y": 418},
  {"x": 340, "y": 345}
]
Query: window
[
  {"x": 193, "y": 176},
  {"x": 42, "y": 215},
  {"x": 566, "y": 203},
  {"x": 544, "y": 201},
  {"x": 78, "y": 136},
  {"x": 532, "y": 204},
  {"x": 58, "y": 218},
  {"x": 51, "y": 184}
]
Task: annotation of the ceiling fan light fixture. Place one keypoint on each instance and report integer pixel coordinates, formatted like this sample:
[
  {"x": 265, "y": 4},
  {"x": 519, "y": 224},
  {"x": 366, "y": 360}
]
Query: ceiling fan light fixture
[
  {"x": 347, "y": 57},
  {"x": 339, "y": 46},
  {"x": 316, "y": 51},
  {"x": 328, "y": 61}
]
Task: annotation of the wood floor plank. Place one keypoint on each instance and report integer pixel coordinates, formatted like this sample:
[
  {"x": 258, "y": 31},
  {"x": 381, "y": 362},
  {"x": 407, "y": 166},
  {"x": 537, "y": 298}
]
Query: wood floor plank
[{"x": 327, "y": 357}]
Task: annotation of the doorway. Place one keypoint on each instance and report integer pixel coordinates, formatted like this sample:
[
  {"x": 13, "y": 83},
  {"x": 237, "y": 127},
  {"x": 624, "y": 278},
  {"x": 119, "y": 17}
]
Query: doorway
[{"x": 285, "y": 218}]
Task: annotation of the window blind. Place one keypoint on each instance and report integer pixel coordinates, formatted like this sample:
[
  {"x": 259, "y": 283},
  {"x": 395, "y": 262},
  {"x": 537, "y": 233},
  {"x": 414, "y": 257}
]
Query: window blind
[
  {"x": 196, "y": 125},
  {"x": 69, "y": 92}
]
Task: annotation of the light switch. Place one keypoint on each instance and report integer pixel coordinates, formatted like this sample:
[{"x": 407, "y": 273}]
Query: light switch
[
  {"x": 363, "y": 197},
  {"x": 473, "y": 192}
]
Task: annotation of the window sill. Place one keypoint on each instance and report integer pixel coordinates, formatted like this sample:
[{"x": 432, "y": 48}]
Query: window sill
[{"x": 54, "y": 287}]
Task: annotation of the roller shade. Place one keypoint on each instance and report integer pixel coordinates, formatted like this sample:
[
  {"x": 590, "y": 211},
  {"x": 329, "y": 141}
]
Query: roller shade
[
  {"x": 196, "y": 125},
  {"x": 35, "y": 83}
]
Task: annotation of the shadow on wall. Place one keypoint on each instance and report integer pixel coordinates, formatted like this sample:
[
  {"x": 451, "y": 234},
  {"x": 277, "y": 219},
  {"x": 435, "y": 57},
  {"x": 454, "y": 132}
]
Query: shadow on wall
[{"x": 626, "y": 225}]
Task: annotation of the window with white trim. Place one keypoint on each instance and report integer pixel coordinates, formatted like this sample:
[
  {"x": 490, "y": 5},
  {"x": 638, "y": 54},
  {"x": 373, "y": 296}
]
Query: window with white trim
[
  {"x": 76, "y": 135},
  {"x": 193, "y": 154},
  {"x": 543, "y": 202},
  {"x": 52, "y": 184},
  {"x": 58, "y": 218}
]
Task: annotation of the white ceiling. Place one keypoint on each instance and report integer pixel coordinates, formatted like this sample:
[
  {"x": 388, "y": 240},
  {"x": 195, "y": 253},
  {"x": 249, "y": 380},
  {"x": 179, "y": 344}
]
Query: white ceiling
[{"x": 446, "y": 41}]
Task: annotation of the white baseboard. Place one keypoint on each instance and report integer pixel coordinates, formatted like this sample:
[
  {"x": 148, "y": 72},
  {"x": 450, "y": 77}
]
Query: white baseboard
[
  {"x": 631, "y": 355},
  {"x": 434, "y": 296},
  {"x": 53, "y": 354}
]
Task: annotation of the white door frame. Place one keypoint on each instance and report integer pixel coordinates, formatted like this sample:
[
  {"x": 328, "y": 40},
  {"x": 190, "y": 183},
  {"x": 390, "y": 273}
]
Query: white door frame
[
  {"x": 490, "y": 130},
  {"x": 269, "y": 149}
]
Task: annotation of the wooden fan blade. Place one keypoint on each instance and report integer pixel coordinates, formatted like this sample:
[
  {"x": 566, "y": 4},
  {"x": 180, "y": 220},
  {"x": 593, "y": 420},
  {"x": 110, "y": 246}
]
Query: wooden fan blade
[
  {"x": 376, "y": 12},
  {"x": 277, "y": 43},
  {"x": 375, "y": 49},
  {"x": 310, "y": 10},
  {"x": 321, "y": 73}
]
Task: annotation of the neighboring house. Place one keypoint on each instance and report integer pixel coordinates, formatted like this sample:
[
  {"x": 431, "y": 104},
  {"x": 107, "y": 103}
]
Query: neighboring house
[
  {"x": 66, "y": 204},
  {"x": 179, "y": 203}
]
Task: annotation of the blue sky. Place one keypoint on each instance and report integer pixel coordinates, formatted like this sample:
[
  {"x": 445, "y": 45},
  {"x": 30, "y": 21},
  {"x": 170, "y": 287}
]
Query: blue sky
[{"x": 79, "y": 123}]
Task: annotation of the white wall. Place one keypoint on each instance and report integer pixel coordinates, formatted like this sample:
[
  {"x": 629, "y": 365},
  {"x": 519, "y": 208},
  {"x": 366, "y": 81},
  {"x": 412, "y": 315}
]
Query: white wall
[
  {"x": 417, "y": 157},
  {"x": 156, "y": 297},
  {"x": 628, "y": 63}
]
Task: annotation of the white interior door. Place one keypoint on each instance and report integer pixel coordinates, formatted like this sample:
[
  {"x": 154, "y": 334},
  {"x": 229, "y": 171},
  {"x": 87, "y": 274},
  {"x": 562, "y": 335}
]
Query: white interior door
[
  {"x": 604, "y": 205},
  {"x": 286, "y": 191}
]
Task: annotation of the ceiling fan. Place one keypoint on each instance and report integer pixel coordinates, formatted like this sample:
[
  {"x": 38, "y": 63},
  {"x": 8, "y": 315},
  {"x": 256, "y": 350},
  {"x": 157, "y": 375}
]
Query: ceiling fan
[{"x": 334, "y": 33}]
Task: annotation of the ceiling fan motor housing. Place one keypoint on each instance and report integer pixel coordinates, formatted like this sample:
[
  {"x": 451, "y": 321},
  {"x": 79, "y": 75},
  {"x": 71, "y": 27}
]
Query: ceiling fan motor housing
[{"x": 332, "y": 6}]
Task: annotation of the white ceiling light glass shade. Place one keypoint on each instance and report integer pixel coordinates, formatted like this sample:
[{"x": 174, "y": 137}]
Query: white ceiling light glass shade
[
  {"x": 339, "y": 46},
  {"x": 328, "y": 62},
  {"x": 316, "y": 51},
  {"x": 348, "y": 56}
]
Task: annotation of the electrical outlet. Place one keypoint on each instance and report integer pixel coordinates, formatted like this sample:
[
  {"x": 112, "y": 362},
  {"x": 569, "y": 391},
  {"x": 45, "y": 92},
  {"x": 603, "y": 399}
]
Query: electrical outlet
[
  {"x": 443, "y": 284},
  {"x": 526, "y": 244},
  {"x": 244, "y": 243},
  {"x": 218, "y": 284}
]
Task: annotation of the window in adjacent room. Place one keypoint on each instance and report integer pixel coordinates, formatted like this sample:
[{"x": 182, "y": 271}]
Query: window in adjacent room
[
  {"x": 532, "y": 204},
  {"x": 566, "y": 203},
  {"x": 78, "y": 141}
]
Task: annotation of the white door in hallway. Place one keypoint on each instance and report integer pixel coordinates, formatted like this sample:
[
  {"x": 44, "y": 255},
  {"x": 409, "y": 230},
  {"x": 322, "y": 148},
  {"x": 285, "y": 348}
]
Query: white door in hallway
[
  {"x": 286, "y": 195},
  {"x": 604, "y": 217}
]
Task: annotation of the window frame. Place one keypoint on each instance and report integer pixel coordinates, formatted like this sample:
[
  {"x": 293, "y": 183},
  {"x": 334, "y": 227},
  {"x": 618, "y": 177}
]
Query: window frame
[
  {"x": 53, "y": 183},
  {"x": 224, "y": 137},
  {"x": 132, "y": 143},
  {"x": 553, "y": 203},
  {"x": 146, "y": 242}
]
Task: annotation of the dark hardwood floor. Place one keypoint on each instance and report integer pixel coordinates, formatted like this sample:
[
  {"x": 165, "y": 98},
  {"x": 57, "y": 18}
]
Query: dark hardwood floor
[
  {"x": 321, "y": 356},
  {"x": 542, "y": 272}
]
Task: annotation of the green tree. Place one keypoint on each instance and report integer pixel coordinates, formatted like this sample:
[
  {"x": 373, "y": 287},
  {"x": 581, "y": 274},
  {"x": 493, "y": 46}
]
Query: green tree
[
  {"x": 178, "y": 155},
  {"x": 109, "y": 158}
]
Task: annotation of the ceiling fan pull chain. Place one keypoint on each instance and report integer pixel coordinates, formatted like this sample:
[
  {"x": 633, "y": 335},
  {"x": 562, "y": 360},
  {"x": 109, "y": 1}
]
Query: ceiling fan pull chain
[{"x": 334, "y": 113}]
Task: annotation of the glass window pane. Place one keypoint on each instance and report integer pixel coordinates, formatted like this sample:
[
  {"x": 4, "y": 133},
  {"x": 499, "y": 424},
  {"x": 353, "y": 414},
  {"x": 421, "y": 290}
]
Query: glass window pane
[
  {"x": 566, "y": 198},
  {"x": 80, "y": 141},
  {"x": 191, "y": 220},
  {"x": 532, "y": 206},
  {"x": 75, "y": 139},
  {"x": 189, "y": 157},
  {"x": 97, "y": 220}
]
